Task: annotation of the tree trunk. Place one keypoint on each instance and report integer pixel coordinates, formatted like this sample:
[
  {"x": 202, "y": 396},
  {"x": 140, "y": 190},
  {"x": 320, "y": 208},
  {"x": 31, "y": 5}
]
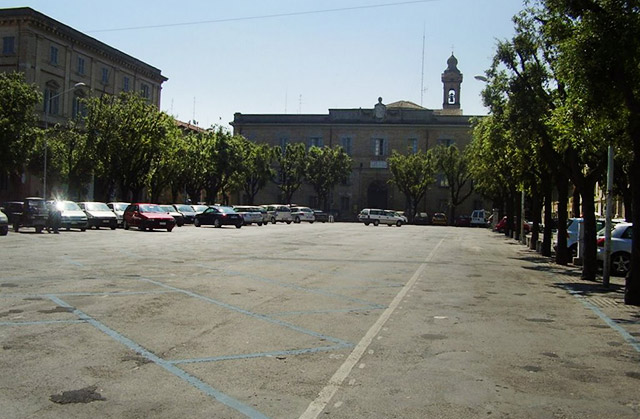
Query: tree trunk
[
  {"x": 536, "y": 209},
  {"x": 508, "y": 228},
  {"x": 589, "y": 260},
  {"x": 562, "y": 253},
  {"x": 548, "y": 219},
  {"x": 575, "y": 204},
  {"x": 519, "y": 215}
]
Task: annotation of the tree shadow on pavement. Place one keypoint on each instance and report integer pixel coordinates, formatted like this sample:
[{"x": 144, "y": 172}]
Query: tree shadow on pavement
[{"x": 588, "y": 289}]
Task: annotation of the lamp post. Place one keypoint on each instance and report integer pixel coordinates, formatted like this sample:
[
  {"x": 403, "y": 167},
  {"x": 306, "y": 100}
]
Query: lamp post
[{"x": 46, "y": 122}]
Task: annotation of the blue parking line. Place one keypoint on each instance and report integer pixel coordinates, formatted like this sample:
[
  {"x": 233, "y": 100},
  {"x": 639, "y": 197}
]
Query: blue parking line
[
  {"x": 36, "y": 323},
  {"x": 249, "y": 313},
  {"x": 196, "y": 382},
  {"x": 261, "y": 354},
  {"x": 73, "y": 262},
  {"x": 635, "y": 344},
  {"x": 84, "y": 294}
]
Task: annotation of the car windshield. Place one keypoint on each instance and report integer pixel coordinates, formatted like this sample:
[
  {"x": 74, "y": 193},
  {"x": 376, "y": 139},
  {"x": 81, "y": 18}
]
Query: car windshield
[
  {"x": 199, "y": 208},
  {"x": 184, "y": 208},
  {"x": 120, "y": 206},
  {"x": 96, "y": 206},
  {"x": 167, "y": 208},
  {"x": 36, "y": 204},
  {"x": 150, "y": 208},
  {"x": 68, "y": 206},
  {"x": 226, "y": 210}
]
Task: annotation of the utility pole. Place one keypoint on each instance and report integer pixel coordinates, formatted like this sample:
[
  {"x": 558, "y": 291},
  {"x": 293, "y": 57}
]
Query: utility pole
[{"x": 606, "y": 265}]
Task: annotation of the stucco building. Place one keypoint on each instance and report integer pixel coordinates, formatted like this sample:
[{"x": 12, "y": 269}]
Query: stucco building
[
  {"x": 66, "y": 65},
  {"x": 369, "y": 135}
]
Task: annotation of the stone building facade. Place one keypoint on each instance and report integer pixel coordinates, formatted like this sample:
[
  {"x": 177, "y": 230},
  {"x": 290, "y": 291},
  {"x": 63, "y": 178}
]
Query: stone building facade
[
  {"x": 369, "y": 135},
  {"x": 66, "y": 65}
]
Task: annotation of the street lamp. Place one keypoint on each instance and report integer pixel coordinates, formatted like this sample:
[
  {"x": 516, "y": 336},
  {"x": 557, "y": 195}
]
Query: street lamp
[{"x": 46, "y": 122}]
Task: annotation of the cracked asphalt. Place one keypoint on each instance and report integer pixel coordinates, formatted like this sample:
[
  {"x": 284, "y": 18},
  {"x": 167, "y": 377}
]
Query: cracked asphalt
[{"x": 304, "y": 321}]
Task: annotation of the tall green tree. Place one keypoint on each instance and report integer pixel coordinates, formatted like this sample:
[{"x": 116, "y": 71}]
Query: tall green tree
[
  {"x": 256, "y": 168},
  {"x": 412, "y": 174},
  {"x": 453, "y": 164},
  {"x": 325, "y": 168},
  {"x": 17, "y": 121},
  {"x": 225, "y": 161},
  {"x": 167, "y": 166},
  {"x": 127, "y": 133},
  {"x": 291, "y": 162}
]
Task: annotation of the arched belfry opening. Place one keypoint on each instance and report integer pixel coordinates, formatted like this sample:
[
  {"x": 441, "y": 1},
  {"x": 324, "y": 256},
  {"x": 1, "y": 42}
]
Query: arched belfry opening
[{"x": 451, "y": 80}]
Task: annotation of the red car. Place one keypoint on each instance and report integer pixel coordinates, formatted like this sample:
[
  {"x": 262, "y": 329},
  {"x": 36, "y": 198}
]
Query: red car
[
  {"x": 147, "y": 216},
  {"x": 502, "y": 225}
]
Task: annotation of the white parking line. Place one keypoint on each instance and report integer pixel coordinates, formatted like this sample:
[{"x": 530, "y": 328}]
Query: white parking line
[{"x": 325, "y": 395}]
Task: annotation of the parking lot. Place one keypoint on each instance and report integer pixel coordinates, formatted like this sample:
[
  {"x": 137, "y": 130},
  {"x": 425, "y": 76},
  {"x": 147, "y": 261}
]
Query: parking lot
[{"x": 288, "y": 321}]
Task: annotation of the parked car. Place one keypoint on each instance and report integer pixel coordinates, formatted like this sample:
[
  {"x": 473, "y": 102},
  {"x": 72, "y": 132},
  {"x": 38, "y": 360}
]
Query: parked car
[
  {"x": 621, "y": 238},
  {"x": 320, "y": 216},
  {"x": 218, "y": 216},
  {"x": 187, "y": 212},
  {"x": 147, "y": 216},
  {"x": 169, "y": 209},
  {"x": 118, "y": 209},
  {"x": 502, "y": 225},
  {"x": 199, "y": 208},
  {"x": 377, "y": 216},
  {"x": 422, "y": 218},
  {"x": 29, "y": 212},
  {"x": 479, "y": 218},
  {"x": 71, "y": 215},
  {"x": 99, "y": 215},
  {"x": 249, "y": 214},
  {"x": 278, "y": 213},
  {"x": 439, "y": 219},
  {"x": 4, "y": 223},
  {"x": 572, "y": 233},
  {"x": 302, "y": 214},
  {"x": 462, "y": 221}
]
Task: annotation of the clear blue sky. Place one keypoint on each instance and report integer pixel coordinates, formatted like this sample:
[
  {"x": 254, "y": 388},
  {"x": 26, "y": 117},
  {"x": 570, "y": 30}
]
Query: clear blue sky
[{"x": 306, "y": 60}]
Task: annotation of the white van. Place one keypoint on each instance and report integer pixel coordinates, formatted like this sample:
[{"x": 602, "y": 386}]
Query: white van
[{"x": 479, "y": 218}]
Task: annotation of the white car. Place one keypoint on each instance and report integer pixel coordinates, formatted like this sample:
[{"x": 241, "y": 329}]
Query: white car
[
  {"x": 118, "y": 208},
  {"x": 187, "y": 212},
  {"x": 4, "y": 224},
  {"x": 278, "y": 212},
  {"x": 171, "y": 210},
  {"x": 71, "y": 214},
  {"x": 99, "y": 215},
  {"x": 302, "y": 214},
  {"x": 249, "y": 214},
  {"x": 378, "y": 216},
  {"x": 621, "y": 237}
]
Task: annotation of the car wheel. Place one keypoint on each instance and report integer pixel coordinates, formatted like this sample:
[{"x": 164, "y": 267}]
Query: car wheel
[
  {"x": 259, "y": 224},
  {"x": 84, "y": 229},
  {"x": 39, "y": 229},
  {"x": 399, "y": 223},
  {"x": 196, "y": 222},
  {"x": 141, "y": 228},
  {"x": 288, "y": 222},
  {"x": 216, "y": 223},
  {"x": 366, "y": 224},
  {"x": 125, "y": 225},
  {"x": 16, "y": 227},
  {"x": 297, "y": 220},
  {"x": 310, "y": 222},
  {"x": 273, "y": 220},
  {"x": 376, "y": 222},
  {"x": 113, "y": 227},
  {"x": 573, "y": 250},
  {"x": 4, "y": 230},
  {"x": 169, "y": 229},
  {"x": 68, "y": 228},
  {"x": 620, "y": 263},
  {"x": 238, "y": 225}
]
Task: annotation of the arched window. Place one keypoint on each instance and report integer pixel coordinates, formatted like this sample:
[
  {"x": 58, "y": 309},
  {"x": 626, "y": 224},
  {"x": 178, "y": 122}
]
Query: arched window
[{"x": 451, "y": 97}]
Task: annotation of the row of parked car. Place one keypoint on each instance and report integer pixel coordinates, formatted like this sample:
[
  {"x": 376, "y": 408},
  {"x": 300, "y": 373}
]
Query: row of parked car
[{"x": 37, "y": 213}]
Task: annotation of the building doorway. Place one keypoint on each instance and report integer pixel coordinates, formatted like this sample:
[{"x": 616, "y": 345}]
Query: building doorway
[{"x": 377, "y": 194}]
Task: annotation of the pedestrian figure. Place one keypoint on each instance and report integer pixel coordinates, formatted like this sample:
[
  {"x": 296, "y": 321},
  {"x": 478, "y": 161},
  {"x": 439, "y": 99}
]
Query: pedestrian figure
[{"x": 54, "y": 219}]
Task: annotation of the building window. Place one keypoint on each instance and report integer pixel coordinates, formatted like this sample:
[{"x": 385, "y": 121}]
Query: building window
[
  {"x": 412, "y": 145},
  {"x": 346, "y": 145},
  {"x": 445, "y": 142},
  {"x": 379, "y": 147},
  {"x": 79, "y": 107},
  {"x": 9, "y": 45},
  {"x": 53, "y": 55},
  {"x": 81, "y": 69},
  {"x": 442, "y": 181},
  {"x": 105, "y": 75},
  {"x": 315, "y": 142},
  {"x": 145, "y": 91},
  {"x": 51, "y": 100},
  {"x": 125, "y": 84}
]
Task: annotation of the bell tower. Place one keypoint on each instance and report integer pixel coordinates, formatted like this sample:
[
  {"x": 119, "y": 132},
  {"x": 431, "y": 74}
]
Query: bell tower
[{"x": 451, "y": 80}]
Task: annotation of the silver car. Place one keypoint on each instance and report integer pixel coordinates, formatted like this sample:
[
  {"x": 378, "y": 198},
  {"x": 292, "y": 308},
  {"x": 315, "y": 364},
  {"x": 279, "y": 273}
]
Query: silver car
[{"x": 621, "y": 237}]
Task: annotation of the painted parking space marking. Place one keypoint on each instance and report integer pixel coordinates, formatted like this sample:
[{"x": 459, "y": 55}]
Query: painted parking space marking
[
  {"x": 327, "y": 393},
  {"x": 192, "y": 380},
  {"x": 37, "y": 323}
]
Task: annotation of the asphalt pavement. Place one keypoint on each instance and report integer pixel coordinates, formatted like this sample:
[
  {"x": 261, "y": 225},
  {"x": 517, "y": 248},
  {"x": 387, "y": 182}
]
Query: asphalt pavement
[{"x": 304, "y": 321}]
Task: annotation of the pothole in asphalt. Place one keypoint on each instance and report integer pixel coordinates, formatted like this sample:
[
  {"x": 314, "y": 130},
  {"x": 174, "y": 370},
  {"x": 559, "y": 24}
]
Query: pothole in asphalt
[
  {"x": 57, "y": 309},
  {"x": 84, "y": 395}
]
